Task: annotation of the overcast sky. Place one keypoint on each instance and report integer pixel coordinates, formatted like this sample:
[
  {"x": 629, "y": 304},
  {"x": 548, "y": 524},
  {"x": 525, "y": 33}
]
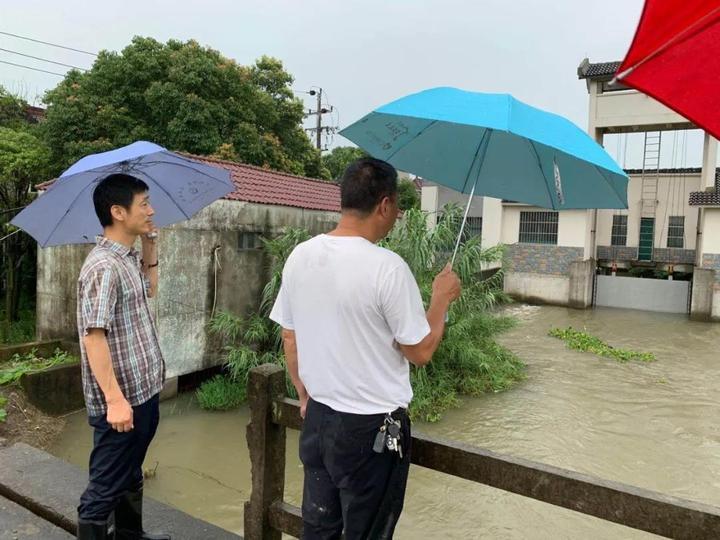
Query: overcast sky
[{"x": 362, "y": 53}]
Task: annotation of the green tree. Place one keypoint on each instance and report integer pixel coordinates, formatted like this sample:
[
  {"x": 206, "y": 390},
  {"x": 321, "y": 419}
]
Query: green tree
[
  {"x": 184, "y": 97},
  {"x": 12, "y": 110},
  {"x": 24, "y": 161},
  {"x": 408, "y": 197},
  {"x": 337, "y": 161}
]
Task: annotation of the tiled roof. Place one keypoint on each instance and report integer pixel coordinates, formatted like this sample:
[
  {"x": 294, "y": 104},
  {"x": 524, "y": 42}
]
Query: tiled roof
[
  {"x": 672, "y": 170},
  {"x": 265, "y": 186},
  {"x": 707, "y": 198},
  {"x": 600, "y": 70}
]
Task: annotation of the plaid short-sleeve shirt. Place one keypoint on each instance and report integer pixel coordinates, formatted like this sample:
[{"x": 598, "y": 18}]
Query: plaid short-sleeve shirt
[{"x": 112, "y": 294}]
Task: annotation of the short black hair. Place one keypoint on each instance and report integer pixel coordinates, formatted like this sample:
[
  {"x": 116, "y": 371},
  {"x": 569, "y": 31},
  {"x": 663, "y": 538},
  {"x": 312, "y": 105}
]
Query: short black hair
[
  {"x": 116, "y": 189},
  {"x": 365, "y": 183}
]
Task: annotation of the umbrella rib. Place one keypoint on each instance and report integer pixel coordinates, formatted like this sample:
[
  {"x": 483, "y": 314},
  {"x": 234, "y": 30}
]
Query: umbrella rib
[
  {"x": 59, "y": 221},
  {"x": 474, "y": 159},
  {"x": 431, "y": 124},
  {"x": 547, "y": 186},
  {"x": 166, "y": 193},
  {"x": 688, "y": 32},
  {"x": 612, "y": 186}
]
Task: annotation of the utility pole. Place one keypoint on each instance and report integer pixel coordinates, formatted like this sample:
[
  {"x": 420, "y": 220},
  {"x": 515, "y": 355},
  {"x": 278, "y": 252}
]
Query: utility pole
[{"x": 319, "y": 111}]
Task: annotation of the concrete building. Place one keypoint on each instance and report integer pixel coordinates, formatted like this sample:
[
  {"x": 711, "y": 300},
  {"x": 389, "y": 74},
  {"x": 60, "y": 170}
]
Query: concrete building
[
  {"x": 580, "y": 258},
  {"x": 210, "y": 263}
]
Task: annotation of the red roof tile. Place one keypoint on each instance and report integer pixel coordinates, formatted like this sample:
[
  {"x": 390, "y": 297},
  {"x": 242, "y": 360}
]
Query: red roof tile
[{"x": 265, "y": 186}]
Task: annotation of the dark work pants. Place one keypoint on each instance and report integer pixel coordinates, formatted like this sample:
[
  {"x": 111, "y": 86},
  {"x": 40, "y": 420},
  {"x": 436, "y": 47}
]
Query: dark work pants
[
  {"x": 116, "y": 460},
  {"x": 348, "y": 485}
]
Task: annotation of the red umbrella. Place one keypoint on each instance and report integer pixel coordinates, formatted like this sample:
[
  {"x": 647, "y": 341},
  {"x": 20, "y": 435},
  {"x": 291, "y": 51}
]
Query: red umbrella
[{"x": 675, "y": 58}]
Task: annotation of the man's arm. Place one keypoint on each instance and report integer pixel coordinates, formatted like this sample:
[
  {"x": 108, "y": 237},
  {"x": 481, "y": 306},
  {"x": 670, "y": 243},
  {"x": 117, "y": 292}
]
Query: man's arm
[
  {"x": 119, "y": 413},
  {"x": 150, "y": 263},
  {"x": 446, "y": 289},
  {"x": 291, "y": 358}
]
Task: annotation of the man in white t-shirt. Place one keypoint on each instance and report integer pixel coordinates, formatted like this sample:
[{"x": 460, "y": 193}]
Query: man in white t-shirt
[{"x": 352, "y": 318}]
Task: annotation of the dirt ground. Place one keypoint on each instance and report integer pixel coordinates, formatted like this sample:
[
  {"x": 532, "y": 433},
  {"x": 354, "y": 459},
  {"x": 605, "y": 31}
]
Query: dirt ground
[{"x": 25, "y": 423}]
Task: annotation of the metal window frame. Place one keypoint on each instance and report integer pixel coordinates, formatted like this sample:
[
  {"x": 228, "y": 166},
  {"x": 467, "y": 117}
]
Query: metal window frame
[
  {"x": 676, "y": 232},
  {"x": 618, "y": 236},
  {"x": 538, "y": 227}
]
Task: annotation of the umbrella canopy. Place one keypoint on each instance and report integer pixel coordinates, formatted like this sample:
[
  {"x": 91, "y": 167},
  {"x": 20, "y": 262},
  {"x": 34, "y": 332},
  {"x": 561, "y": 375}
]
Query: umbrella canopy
[
  {"x": 675, "y": 58},
  {"x": 495, "y": 144},
  {"x": 179, "y": 187}
]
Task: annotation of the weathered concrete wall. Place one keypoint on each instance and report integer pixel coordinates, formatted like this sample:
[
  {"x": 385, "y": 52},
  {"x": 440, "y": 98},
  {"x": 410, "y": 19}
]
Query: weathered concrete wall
[
  {"x": 57, "y": 390},
  {"x": 580, "y": 287},
  {"x": 542, "y": 273},
  {"x": 57, "y": 272},
  {"x": 646, "y": 294},
  {"x": 537, "y": 288},
  {"x": 187, "y": 276},
  {"x": 701, "y": 304}
]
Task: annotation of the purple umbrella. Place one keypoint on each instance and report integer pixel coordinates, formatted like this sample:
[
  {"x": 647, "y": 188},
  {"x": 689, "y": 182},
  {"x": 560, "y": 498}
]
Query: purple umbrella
[{"x": 179, "y": 188}]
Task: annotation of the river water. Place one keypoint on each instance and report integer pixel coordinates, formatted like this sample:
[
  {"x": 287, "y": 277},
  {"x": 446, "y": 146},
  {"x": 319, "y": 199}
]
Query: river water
[{"x": 655, "y": 426}]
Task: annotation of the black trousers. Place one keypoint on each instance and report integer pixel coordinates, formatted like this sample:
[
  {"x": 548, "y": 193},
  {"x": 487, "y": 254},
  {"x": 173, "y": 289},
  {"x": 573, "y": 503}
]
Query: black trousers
[
  {"x": 116, "y": 460},
  {"x": 347, "y": 485}
]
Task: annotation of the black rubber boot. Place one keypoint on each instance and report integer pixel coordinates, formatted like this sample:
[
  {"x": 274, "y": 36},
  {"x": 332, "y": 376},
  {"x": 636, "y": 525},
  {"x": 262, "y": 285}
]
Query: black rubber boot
[
  {"x": 128, "y": 519},
  {"x": 93, "y": 530}
]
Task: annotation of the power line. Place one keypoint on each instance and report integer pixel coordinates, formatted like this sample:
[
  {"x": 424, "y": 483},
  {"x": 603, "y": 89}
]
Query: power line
[
  {"x": 48, "y": 43},
  {"x": 34, "y": 69},
  {"x": 42, "y": 59}
]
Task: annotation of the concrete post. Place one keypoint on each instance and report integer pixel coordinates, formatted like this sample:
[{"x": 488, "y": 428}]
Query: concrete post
[
  {"x": 266, "y": 442},
  {"x": 709, "y": 162},
  {"x": 702, "y": 294},
  {"x": 582, "y": 281},
  {"x": 429, "y": 203}
]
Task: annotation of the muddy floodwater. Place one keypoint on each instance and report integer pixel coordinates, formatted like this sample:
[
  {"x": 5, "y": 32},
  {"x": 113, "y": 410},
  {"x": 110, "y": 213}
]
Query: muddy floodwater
[{"x": 655, "y": 426}]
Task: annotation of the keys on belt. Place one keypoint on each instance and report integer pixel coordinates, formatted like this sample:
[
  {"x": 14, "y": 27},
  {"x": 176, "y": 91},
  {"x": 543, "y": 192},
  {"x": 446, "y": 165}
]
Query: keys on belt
[{"x": 388, "y": 436}]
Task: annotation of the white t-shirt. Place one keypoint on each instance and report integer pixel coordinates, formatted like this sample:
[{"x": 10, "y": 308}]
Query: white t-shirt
[{"x": 348, "y": 302}]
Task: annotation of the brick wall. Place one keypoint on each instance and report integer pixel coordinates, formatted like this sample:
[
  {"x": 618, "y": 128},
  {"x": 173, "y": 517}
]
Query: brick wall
[{"x": 541, "y": 258}]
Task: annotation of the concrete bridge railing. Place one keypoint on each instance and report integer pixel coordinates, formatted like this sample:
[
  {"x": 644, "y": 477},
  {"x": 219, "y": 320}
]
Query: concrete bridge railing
[{"x": 267, "y": 516}]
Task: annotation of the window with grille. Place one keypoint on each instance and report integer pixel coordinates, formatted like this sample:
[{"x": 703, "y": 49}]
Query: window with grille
[
  {"x": 619, "y": 231},
  {"x": 473, "y": 227},
  {"x": 249, "y": 240},
  {"x": 676, "y": 232},
  {"x": 538, "y": 227}
]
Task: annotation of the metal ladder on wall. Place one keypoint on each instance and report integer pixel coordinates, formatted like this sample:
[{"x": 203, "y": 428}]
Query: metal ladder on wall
[{"x": 649, "y": 193}]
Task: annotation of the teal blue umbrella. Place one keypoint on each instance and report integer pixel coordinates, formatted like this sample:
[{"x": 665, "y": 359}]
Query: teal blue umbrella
[{"x": 494, "y": 145}]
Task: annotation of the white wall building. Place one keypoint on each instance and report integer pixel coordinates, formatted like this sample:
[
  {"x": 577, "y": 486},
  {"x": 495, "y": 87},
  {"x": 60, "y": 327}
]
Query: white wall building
[{"x": 577, "y": 257}]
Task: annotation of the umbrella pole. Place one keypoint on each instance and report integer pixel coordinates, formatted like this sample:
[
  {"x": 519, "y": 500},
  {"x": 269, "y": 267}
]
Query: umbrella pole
[
  {"x": 481, "y": 151},
  {"x": 462, "y": 226}
]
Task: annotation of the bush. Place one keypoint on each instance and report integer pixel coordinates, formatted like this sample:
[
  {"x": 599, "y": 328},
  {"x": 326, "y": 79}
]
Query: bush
[
  {"x": 221, "y": 393},
  {"x": 20, "y": 331},
  {"x": 3, "y": 412}
]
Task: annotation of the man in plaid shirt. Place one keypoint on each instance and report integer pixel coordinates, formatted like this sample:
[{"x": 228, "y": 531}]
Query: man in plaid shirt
[{"x": 123, "y": 369}]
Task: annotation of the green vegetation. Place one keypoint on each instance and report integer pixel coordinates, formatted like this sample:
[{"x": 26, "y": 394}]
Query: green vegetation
[
  {"x": 221, "y": 393},
  {"x": 18, "y": 365},
  {"x": 582, "y": 341},
  {"x": 3, "y": 412},
  {"x": 186, "y": 97},
  {"x": 20, "y": 331},
  {"x": 469, "y": 361}
]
